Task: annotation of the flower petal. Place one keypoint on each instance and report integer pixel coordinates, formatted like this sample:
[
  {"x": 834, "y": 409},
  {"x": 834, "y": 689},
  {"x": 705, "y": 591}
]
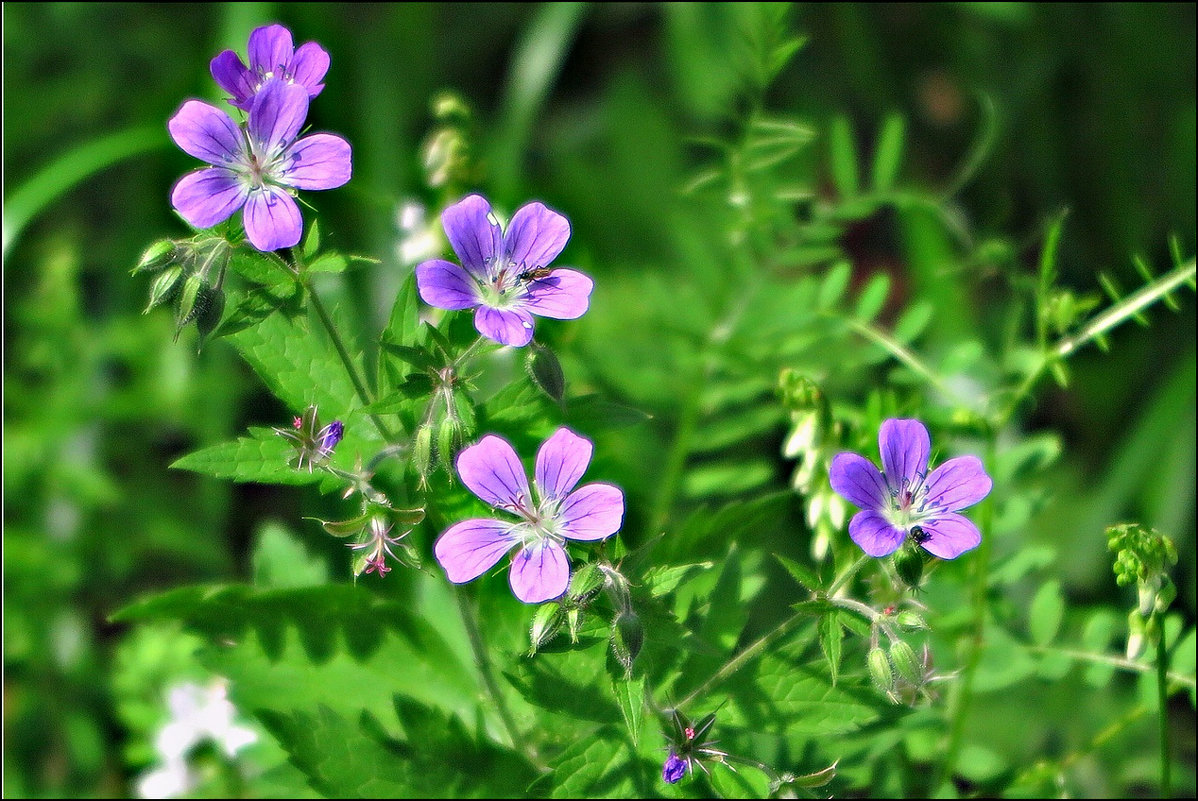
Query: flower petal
[
  {"x": 561, "y": 461},
  {"x": 858, "y": 481},
  {"x": 446, "y": 285},
  {"x": 492, "y": 471},
  {"x": 207, "y": 196},
  {"x": 958, "y": 483},
  {"x": 540, "y": 572},
  {"x": 468, "y": 549},
  {"x": 270, "y": 49},
  {"x": 592, "y": 512},
  {"x": 950, "y": 535},
  {"x": 874, "y": 534},
  {"x": 309, "y": 66},
  {"x": 473, "y": 234},
  {"x": 232, "y": 75},
  {"x": 535, "y": 236},
  {"x": 564, "y": 295},
  {"x": 272, "y": 219},
  {"x": 319, "y": 161},
  {"x": 905, "y": 447},
  {"x": 505, "y": 326},
  {"x": 206, "y": 132},
  {"x": 277, "y": 115}
]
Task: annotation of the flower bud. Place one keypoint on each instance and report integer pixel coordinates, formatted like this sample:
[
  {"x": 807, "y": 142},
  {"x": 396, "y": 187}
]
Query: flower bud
[
  {"x": 910, "y": 621},
  {"x": 902, "y": 656},
  {"x": 586, "y": 583},
  {"x": 908, "y": 563},
  {"x": 422, "y": 451},
  {"x": 880, "y": 671},
  {"x": 546, "y": 622},
  {"x": 627, "y": 637},
  {"x": 156, "y": 256},
  {"x": 165, "y": 285}
]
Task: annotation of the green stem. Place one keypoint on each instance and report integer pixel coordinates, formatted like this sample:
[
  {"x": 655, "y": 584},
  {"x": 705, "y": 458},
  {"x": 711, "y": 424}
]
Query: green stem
[
  {"x": 1128, "y": 307},
  {"x": 848, "y": 573},
  {"x": 347, "y": 360},
  {"x": 1107, "y": 659},
  {"x": 483, "y": 661},
  {"x": 979, "y": 580},
  {"x": 1162, "y": 713},
  {"x": 744, "y": 657}
]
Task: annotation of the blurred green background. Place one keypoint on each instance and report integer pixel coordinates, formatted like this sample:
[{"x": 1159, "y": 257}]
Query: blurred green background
[{"x": 591, "y": 108}]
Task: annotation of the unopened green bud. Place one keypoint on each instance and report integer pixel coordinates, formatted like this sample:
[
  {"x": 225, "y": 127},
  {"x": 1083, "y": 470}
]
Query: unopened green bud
[
  {"x": 546, "y": 372},
  {"x": 164, "y": 287},
  {"x": 156, "y": 256},
  {"x": 546, "y": 622},
  {"x": 627, "y": 637},
  {"x": 209, "y": 311},
  {"x": 586, "y": 582},
  {"x": 908, "y": 563},
  {"x": 422, "y": 451},
  {"x": 902, "y": 656},
  {"x": 574, "y": 618},
  {"x": 910, "y": 621},
  {"x": 880, "y": 671},
  {"x": 449, "y": 438}
]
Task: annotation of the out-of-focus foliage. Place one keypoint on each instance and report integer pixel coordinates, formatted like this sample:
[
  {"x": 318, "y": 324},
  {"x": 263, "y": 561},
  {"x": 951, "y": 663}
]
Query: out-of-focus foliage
[{"x": 847, "y": 193}]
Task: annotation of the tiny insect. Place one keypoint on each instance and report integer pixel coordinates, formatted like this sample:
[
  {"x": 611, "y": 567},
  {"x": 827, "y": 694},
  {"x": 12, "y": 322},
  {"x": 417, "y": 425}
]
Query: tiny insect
[{"x": 536, "y": 274}]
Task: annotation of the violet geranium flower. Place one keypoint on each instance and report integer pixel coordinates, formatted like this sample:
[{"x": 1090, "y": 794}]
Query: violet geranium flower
[
  {"x": 544, "y": 521},
  {"x": 272, "y": 55},
  {"x": 255, "y": 167},
  {"x": 505, "y": 276},
  {"x": 904, "y": 500}
]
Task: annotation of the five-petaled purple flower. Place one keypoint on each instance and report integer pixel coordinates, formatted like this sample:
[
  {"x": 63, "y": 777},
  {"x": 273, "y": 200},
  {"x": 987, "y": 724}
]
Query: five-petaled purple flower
[
  {"x": 505, "y": 276},
  {"x": 545, "y": 520},
  {"x": 272, "y": 55},
  {"x": 255, "y": 167},
  {"x": 905, "y": 500},
  {"x": 674, "y": 769}
]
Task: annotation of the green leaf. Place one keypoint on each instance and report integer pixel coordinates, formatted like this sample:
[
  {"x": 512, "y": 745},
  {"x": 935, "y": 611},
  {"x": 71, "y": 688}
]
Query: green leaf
[
  {"x": 260, "y": 268},
  {"x": 831, "y": 637},
  {"x": 329, "y": 262},
  {"x": 1045, "y": 613},
  {"x": 800, "y": 573},
  {"x": 834, "y": 284},
  {"x": 889, "y": 153},
  {"x": 913, "y": 321},
  {"x": 872, "y": 298},
  {"x": 281, "y": 561},
  {"x": 601, "y": 766},
  {"x": 298, "y": 363},
  {"x": 263, "y": 457},
  {"x": 630, "y": 695},
  {"x": 843, "y": 154}
]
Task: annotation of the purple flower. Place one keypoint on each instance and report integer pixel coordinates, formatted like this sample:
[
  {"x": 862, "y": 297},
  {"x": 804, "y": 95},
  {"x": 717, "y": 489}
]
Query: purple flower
[
  {"x": 328, "y": 438},
  {"x": 272, "y": 55},
  {"x": 674, "y": 769},
  {"x": 556, "y": 513},
  {"x": 506, "y": 276},
  {"x": 255, "y": 167},
  {"x": 905, "y": 500}
]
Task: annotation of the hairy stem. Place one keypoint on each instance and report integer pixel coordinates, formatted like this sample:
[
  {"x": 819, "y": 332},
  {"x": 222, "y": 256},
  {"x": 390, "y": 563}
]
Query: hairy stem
[
  {"x": 848, "y": 573},
  {"x": 744, "y": 657}
]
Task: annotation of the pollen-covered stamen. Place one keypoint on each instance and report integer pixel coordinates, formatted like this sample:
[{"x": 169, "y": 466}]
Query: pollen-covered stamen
[{"x": 909, "y": 502}]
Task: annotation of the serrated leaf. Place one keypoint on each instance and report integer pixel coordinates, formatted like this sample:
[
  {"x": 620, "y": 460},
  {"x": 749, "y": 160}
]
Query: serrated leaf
[
  {"x": 298, "y": 363},
  {"x": 800, "y": 573},
  {"x": 663, "y": 580},
  {"x": 889, "y": 153},
  {"x": 263, "y": 457},
  {"x": 1045, "y": 613}
]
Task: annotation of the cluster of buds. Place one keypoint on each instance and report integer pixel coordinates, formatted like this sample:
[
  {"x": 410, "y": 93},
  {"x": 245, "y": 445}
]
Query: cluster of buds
[
  {"x": 897, "y": 671},
  {"x": 810, "y": 444},
  {"x": 448, "y": 155},
  {"x": 190, "y": 273},
  {"x": 1143, "y": 557},
  {"x": 569, "y": 613},
  {"x": 313, "y": 444}
]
